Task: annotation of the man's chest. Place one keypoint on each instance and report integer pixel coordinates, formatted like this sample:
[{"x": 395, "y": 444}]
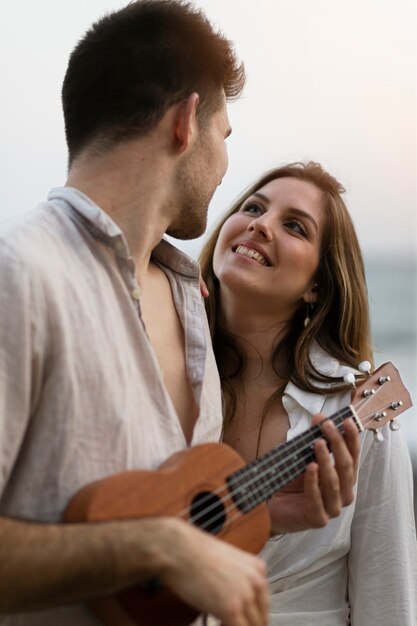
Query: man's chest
[{"x": 166, "y": 334}]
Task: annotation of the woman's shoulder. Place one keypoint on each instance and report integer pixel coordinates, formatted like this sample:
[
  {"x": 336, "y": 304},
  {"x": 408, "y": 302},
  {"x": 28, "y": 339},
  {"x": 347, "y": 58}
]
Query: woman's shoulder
[{"x": 328, "y": 365}]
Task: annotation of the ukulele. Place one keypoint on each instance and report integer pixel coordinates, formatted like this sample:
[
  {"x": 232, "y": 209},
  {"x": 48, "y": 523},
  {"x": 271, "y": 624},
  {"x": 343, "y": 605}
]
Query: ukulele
[{"x": 210, "y": 486}]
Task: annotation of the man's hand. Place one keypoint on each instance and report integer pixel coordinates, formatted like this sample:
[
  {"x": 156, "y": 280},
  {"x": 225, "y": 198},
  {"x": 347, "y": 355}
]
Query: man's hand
[
  {"x": 327, "y": 485},
  {"x": 215, "y": 577},
  {"x": 85, "y": 561}
]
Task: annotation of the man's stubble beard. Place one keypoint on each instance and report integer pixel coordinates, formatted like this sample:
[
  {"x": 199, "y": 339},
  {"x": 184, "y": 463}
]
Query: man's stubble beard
[
  {"x": 194, "y": 196},
  {"x": 191, "y": 224}
]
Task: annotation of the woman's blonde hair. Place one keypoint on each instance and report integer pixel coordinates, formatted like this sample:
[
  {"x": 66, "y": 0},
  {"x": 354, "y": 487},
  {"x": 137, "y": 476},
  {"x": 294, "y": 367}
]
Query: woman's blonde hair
[{"x": 340, "y": 321}]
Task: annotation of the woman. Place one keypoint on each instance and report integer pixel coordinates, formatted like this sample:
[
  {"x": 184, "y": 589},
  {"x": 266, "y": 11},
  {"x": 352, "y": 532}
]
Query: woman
[{"x": 288, "y": 313}]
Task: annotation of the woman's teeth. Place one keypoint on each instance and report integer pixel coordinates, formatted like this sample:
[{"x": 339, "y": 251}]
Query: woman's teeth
[{"x": 252, "y": 254}]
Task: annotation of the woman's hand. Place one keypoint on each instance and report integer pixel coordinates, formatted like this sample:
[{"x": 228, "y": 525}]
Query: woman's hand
[{"x": 327, "y": 485}]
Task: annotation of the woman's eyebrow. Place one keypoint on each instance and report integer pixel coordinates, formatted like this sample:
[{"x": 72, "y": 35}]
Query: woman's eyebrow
[
  {"x": 261, "y": 196},
  {"x": 306, "y": 216},
  {"x": 298, "y": 212}
]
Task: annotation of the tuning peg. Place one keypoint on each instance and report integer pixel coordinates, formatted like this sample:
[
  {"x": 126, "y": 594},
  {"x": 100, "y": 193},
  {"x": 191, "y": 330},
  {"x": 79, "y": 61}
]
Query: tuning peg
[
  {"x": 368, "y": 392},
  {"x": 394, "y": 425},
  {"x": 350, "y": 379},
  {"x": 378, "y": 437},
  {"x": 396, "y": 405},
  {"x": 384, "y": 379},
  {"x": 364, "y": 367}
]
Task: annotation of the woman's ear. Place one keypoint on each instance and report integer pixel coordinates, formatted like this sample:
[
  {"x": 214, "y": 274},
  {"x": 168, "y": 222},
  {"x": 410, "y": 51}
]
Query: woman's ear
[{"x": 311, "y": 296}]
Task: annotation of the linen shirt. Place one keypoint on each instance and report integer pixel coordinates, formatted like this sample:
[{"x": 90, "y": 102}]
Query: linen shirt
[
  {"x": 362, "y": 566},
  {"x": 81, "y": 391}
]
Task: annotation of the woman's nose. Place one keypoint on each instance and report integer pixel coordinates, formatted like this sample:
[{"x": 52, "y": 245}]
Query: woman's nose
[{"x": 261, "y": 227}]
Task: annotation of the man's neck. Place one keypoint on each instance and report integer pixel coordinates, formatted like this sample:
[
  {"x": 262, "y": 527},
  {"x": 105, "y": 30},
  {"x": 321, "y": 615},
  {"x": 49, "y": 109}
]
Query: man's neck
[{"x": 131, "y": 188}]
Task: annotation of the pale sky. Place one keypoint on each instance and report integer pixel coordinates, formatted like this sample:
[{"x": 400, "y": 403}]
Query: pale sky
[{"x": 329, "y": 80}]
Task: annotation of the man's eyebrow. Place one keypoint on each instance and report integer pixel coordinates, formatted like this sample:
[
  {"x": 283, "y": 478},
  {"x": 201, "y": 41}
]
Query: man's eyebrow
[{"x": 299, "y": 212}]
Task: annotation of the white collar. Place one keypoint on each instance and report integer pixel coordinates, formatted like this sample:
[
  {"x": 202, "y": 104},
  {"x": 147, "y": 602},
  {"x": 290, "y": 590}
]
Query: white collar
[{"x": 310, "y": 401}]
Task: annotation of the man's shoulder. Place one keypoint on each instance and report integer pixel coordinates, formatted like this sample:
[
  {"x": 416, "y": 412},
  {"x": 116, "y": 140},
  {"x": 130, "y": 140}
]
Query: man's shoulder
[{"x": 30, "y": 234}]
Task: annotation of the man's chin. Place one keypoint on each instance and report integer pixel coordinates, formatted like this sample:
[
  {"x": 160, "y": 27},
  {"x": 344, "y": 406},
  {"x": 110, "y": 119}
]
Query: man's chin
[{"x": 187, "y": 233}]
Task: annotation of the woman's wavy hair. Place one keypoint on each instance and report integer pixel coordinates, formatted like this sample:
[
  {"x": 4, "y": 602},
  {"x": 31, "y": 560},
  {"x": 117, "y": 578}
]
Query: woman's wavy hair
[{"x": 340, "y": 321}]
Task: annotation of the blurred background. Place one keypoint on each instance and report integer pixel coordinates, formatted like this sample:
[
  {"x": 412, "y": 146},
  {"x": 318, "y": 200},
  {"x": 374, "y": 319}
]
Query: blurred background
[{"x": 331, "y": 80}]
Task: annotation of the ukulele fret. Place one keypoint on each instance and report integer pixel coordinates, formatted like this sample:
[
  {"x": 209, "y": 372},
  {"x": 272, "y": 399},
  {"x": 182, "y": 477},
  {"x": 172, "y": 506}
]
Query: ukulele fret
[{"x": 259, "y": 480}]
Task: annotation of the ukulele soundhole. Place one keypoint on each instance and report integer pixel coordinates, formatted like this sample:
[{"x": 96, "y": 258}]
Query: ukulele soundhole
[{"x": 207, "y": 512}]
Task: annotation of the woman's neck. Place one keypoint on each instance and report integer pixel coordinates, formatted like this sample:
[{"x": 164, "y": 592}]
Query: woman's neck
[{"x": 257, "y": 332}]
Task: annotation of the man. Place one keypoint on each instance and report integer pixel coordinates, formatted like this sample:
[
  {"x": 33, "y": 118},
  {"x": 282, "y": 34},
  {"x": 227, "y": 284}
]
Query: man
[{"x": 105, "y": 359}]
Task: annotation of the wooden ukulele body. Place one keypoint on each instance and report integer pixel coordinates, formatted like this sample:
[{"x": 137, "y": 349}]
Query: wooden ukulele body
[{"x": 172, "y": 490}]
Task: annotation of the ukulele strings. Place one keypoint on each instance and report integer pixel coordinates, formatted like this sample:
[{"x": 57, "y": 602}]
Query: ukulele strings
[
  {"x": 299, "y": 446},
  {"x": 296, "y": 466},
  {"x": 234, "y": 510}
]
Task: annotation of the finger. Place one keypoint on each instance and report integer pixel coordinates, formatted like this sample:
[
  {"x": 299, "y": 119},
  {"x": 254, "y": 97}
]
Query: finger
[
  {"x": 343, "y": 459},
  {"x": 353, "y": 442},
  {"x": 259, "y": 614},
  {"x": 318, "y": 418},
  {"x": 251, "y": 606},
  {"x": 264, "y": 604},
  {"x": 253, "y": 614},
  {"x": 315, "y": 512},
  {"x": 203, "y": 288},
  {"x": 263, "y": 600},
  {"x": 329, "y": 479}
]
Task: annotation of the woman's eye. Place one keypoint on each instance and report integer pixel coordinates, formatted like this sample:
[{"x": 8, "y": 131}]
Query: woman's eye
[
  {"x": 297, "y": 227},
  {"x": 252, "y": 208}
]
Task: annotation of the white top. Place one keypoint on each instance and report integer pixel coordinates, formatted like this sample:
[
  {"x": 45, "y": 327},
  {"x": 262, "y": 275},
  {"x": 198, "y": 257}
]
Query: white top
[
  {"x": 81, "y": 391},
  {"x": 365, "y": 561}
]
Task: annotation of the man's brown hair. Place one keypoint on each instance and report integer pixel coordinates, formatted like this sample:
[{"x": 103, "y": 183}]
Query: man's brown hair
[{"x": 133, "y": 64}]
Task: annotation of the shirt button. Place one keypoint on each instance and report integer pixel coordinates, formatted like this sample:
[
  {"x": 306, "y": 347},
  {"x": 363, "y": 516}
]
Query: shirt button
[
  {"x": 120, "y": 248},
  {"x": 136, "y": 293}
]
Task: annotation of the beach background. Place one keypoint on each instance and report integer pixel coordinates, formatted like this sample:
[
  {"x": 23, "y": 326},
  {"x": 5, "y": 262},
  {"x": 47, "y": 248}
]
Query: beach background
[
  {"x": 392, "y": 288},
  {"x": 331, "y": 81}
]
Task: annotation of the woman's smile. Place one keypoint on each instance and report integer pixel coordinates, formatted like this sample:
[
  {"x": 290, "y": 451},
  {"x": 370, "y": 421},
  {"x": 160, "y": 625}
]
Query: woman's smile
[{"x": 252, "y": 251}]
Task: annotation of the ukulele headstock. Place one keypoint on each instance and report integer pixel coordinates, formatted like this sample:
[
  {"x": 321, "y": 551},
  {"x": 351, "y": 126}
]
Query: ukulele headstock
[{"x": 379, "y": 398}]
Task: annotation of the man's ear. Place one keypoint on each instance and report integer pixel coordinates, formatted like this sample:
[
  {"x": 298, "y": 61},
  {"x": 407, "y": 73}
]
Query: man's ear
[{"x": 186, "y": 122}]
